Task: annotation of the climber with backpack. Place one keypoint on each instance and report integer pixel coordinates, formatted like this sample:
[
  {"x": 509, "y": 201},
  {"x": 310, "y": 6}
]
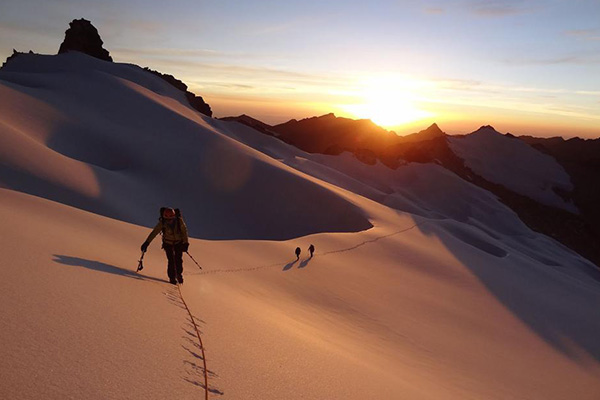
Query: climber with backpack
[{"x": 174, "y": 241}]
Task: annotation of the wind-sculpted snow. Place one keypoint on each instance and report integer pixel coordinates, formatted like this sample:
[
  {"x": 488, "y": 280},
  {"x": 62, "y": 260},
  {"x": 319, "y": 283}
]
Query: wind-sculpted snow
[{"x": 118, "y": 141}]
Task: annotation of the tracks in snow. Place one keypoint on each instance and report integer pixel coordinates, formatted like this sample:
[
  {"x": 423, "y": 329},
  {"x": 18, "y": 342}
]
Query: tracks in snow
[
  {"x": 199, "y": 341},
  {"x": 257, "y": 268},
  {"x": 197, "y": 330}
]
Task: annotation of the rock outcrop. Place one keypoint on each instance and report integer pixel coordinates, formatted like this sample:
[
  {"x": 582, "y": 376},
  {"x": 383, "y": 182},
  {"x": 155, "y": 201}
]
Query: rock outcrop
[
  {"x": 82, "y": 36},
  {"x": 14, "y": 55},
  {"x": 196, "y": 102}
]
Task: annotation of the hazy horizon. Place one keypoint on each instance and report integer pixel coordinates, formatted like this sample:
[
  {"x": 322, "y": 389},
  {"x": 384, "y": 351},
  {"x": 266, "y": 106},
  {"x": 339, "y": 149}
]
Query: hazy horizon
[{"x": 527, "y": 67}]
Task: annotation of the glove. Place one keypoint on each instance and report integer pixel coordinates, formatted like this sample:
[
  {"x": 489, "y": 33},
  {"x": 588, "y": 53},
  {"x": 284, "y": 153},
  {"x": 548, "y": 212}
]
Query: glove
[
  {"x": 145, "y": 246},
  {"x": 185, "y": 247}
]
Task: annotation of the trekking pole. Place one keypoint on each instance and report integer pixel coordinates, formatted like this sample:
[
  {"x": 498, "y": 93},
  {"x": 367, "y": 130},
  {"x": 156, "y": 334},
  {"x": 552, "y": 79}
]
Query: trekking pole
[
  {"x": 193, "y": 259},
  {"x": 140, "y": 265}
]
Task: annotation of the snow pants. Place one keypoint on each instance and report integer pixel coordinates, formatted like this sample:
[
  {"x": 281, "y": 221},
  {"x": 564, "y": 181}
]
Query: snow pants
[{"x": 175, "y": 259}]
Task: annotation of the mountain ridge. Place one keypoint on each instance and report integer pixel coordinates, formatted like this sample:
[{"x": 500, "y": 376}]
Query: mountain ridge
[{"x": 431, "y": 145}]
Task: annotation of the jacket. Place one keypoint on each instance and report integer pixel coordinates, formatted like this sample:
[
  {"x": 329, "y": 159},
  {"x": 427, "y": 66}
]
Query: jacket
[{"x": 171, "y": 235}]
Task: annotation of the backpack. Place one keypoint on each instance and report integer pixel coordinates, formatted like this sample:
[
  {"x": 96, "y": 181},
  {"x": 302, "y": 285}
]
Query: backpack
[{"x": 177, "y": 219}]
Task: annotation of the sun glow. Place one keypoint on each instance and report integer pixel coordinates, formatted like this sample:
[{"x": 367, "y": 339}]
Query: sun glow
[{"x": 388, "y": 102}]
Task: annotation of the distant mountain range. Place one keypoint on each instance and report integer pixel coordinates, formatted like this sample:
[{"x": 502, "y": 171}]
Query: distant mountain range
[{"x": 551, "y": 183}]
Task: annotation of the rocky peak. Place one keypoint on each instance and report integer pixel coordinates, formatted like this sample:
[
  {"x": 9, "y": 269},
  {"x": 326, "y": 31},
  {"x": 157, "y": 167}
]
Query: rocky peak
[
  {"x": 433, "y": 130},
  {"x": 328, "y": 116},
  {"x": 82, "y": 36},
  {"x": 486, "y": 128},
  {"x": 430, "y": 133}
]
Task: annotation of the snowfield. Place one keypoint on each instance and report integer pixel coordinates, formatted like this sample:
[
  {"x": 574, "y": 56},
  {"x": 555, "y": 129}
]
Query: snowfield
[
  {"x": 515, "y": 165},
  {"x": 423, "y": 286}
]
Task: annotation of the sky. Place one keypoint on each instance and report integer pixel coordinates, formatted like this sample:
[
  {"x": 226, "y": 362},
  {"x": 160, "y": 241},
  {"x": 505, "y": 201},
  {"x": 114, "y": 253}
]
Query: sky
[{"x": 528, "y": 67}]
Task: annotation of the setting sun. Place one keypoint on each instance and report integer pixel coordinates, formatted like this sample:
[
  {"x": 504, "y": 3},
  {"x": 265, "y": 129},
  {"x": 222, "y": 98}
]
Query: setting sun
[{"x": 388, "y": 102}]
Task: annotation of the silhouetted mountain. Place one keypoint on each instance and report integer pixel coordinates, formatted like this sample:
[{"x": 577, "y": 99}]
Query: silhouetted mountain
[
  {"x": 333, "y": 135},
  {"x": 432, "y": 132},
  {"x": 486, "y": 128},
  {"x": 329, "y": 134},
  {"x": 317, "y": 134},
  {"x": 582, "y": 151},
  {"x": 428, "y": 145},
  {"x": 82, "y": 36}
]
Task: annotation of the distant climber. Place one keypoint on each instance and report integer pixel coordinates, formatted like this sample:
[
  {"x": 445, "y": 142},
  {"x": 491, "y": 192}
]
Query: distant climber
[
  {"x": 174, "y": 241},
  {"x": 298, "y": 253},
  {"x": 311, "y": 250}
]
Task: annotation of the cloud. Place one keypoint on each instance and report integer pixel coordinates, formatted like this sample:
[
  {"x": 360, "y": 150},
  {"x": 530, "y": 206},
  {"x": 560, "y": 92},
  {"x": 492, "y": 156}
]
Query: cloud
[
  {"x": 299, "y": 23},
  {"x": 233, "y": 85},
  {"x": 499, "y": 8},
  {"x": 39, "y": 29},
  {"x": 249, "y": 72},
  {"x": 584, "y": 34},
  {"x": 435, "y": 10},
  {"x": 166, "y": 52},
  {"x": 588, "y": 92},
  {"x": 485, "y": 8},
  {"x": 467, "y": 85},
  {"x": 214, "y": 78},
  {"x": 527, "y": 99},
  {"x": 458, "y": 84},
  {"x": 574, "y": 111},
  {"x": 205, "y": 83},
  {"x": 572, "y": 59},
  {"x": 158, "y": 57}
]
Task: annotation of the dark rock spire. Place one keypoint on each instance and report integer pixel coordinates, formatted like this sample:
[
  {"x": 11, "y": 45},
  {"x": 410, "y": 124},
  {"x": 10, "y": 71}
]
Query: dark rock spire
[{"x": 83, "y": 36}]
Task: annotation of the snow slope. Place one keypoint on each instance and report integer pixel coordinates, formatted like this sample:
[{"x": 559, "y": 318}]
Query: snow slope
[
  {"x": 423, "y": 286},
  {"x": 116, "y": 140},
  {"x": 515, "y": 165}
]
